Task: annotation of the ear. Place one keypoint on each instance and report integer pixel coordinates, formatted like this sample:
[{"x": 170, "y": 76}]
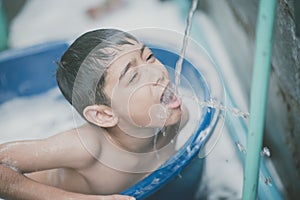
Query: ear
[{"x": 100, "y": 115}]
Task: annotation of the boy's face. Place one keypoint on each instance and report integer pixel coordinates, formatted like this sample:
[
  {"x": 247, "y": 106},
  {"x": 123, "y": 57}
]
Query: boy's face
[{"x": 139, "y": 87}]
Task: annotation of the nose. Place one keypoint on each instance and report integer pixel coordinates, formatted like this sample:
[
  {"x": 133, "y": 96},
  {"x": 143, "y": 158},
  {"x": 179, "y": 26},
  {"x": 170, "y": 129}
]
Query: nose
[
  {"x": 156, "y": 73},
  {"x": 160, "y": 78}
]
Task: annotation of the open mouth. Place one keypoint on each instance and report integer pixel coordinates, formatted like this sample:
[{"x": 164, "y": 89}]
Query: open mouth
[{"x": 169, "y": 99}]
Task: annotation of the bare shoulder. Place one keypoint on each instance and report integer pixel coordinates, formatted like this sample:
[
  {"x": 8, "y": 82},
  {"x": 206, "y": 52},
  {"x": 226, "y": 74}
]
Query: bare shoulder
[
  {"x": 79, "y": 146},
  {"x": 90, "y": 138}
]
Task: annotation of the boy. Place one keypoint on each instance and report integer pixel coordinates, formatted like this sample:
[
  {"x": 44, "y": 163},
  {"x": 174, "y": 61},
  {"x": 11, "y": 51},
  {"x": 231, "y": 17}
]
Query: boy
[{"x": 124, "y": 94}]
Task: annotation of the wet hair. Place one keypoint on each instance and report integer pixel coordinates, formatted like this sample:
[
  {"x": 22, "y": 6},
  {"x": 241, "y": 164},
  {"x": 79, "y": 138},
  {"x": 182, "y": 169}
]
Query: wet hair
[{"x": 82, "y": 69}]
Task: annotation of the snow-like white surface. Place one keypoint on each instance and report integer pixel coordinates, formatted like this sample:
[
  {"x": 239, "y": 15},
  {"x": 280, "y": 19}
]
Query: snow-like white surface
[
  {"x": 42, "y": 21},
  {"x": 35, "y": 117}
]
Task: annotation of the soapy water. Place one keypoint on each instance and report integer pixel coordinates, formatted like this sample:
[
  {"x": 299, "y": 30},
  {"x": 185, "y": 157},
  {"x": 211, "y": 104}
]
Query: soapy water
[{"x": 26, "y": 118}]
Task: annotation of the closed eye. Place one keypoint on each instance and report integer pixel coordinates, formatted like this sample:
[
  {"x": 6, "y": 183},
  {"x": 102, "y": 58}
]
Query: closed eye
[
  {"x": 150, "y": 58},
  {"x": 133, "y": 77}
]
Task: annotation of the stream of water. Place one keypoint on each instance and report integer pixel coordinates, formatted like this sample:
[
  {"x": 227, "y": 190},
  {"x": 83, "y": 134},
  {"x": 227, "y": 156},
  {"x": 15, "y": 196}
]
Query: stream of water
[
  {"x": 184, "y": 44},
  {"x": 212, "y": 103}
]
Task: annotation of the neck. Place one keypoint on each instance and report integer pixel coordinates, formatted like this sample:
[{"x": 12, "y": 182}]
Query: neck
[{"x": 134, "y": 142}]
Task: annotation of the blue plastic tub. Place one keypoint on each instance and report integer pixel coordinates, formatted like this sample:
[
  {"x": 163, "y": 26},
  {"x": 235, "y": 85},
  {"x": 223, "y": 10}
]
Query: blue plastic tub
[{"x": 31, "y": 71}]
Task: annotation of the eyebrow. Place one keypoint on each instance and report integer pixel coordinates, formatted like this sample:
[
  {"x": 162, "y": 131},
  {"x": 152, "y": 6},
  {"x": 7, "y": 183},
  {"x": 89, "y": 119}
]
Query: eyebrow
[
  {"x": 126, "y": 68},
  {"x": 142, "y": 49}
]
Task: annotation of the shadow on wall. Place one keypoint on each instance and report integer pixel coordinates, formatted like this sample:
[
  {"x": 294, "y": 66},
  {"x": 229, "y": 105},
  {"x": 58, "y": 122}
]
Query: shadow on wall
[
  {"x": 236, "y": 22},
  {"x": 297, "y": 17}
]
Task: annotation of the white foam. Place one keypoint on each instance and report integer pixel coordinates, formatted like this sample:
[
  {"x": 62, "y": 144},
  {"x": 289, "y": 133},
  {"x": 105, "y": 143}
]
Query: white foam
[{"x": 35, "y": 117}]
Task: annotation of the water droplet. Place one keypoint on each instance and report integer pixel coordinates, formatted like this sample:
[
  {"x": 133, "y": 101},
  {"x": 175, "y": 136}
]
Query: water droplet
[
  {"x": 155, "y": 181},
  {"x": 188, "y": 149},
  {"x": 155, "y": 145},
  {"x": 221, "y": 116},
  {"x": 164, "y": 133},
  {"x": 215, "y": 104},
  {"x": 222, "y": 107},
  {"x": 266, "y": 152},
  {"x": 240, "y": 147},
  {"x": 179, "y": 175},
  {"x": 268, "y": 181},
  {"x": 237, "y": 112},
  {"x": 172, "y": 141},
  {"x": 245, "y": 115}
]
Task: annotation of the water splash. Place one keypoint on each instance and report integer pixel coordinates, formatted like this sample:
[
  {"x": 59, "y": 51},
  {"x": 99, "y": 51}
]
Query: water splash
[
  {"x": 213, "y": 103},
  {"x": 185, "y": 43},
  {"x": 155, "y": 181},
  {"x": 240, "y": 147},
  {"x": 179, "y": 175},
  {"x": 188, "y": 149},
  {"x": 266, "y": 152},
  {"x": 238, "y": 113},
  {"x": 155, "y": 144},
  {"x": 268, "y": 181}
]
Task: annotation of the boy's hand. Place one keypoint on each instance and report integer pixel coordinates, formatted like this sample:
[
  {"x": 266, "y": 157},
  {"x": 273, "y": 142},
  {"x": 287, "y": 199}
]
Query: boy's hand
[
  {"x": 77, "y": 196},
  {"x": 102, "y": 197},
  {"x": 115, "y": 197}
]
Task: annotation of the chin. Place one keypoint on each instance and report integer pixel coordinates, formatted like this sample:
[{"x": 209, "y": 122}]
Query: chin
[{"x": 174, "y": 117}]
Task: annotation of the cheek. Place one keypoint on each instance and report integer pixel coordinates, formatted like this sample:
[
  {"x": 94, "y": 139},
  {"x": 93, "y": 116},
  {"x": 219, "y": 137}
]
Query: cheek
[
  {"x": 132, "y": 104},
  {"x": 173, "y": 117},
  {"x": 140, "y": 102},
  {"x": 144, "y": 112},
  {"x": 141, "y": 97}
]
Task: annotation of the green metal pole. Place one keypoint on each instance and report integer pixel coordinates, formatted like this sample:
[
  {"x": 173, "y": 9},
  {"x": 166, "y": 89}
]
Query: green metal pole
[
  {"x": 3, "y": 29},
  {"x": 259, "y": 91}
]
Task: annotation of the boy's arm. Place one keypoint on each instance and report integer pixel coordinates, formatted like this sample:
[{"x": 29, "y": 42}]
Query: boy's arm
[
  {"x": 28, "y": 156},
  {"x": 14, "y": 185},
  {"x": 62, "y": 150}
]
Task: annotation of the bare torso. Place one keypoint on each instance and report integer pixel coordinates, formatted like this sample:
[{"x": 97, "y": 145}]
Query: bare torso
[{"x": 109, "y": 170}]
